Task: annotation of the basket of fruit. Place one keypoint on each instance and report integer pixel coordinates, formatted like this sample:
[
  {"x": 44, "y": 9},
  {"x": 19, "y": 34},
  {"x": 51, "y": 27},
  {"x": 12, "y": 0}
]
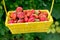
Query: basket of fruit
[{"x": 27, "y": 21}]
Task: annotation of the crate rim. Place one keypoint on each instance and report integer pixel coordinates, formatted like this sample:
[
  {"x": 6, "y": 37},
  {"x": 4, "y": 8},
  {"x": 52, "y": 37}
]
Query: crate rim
[{"x": 50, "y": 20}]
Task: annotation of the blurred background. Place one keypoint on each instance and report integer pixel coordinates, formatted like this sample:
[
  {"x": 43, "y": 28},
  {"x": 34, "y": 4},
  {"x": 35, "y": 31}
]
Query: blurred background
[{"x": 53, "y": 33}]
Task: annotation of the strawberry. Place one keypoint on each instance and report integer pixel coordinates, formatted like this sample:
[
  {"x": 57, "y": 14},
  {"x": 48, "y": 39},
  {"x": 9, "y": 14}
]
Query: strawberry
[
  {"x": 13, "y": 15},
  {"x": 26, "y": 19},
  {"x": 42, "y": 19},
  {"x": 20, "y": 14},
  {"x": 25, "y": 12},
  {"x": 11, "y": 21},
  {"x": 20, "y": 21},
  {"x": 32, "y": 19},
  {"x": 29, "y": 14},
  {"x": 33, "y": 11},
  {"x": 41, "y": 15},
  {"x": 45, "y": 13},
  {"x": 36, "y": 16},
  {"x": 19, "y": 9},
  {"x": 15, "y": 21}
]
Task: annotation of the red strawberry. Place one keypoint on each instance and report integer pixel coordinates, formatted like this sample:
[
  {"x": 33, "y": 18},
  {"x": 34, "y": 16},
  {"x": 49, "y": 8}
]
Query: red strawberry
[
  {"x": 36, "y": 16},
  {"x": 19, "y": 9},
  {"x": 11, "y": 21},
  {"x": 45, "y": 13},
  {"x": 32, "y": 19},
  {"x": 29, "y": 14},
  {"x": 20, "y": 15},
  {"x": 42, "y": 15},
  {"x": 15, "y": 21},
  {"x": 42, "y": 19},
  {"x": 20, "y": 21},
  {"x": 13, "y": 15},
  {"x": 33, "y": 11},
  {"x": 26, "y": 19},
  {"x": 25, "y": 12}
]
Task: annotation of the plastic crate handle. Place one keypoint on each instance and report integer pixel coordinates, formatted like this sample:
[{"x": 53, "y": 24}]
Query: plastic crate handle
[
  {"x": 4, "y": 6},
  {"x": 50, "y": 8}
]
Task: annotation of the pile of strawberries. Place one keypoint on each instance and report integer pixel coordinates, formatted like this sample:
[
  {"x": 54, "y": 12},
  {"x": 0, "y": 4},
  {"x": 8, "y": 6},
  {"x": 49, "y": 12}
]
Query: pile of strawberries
[{"x": 22, "y": 16}]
